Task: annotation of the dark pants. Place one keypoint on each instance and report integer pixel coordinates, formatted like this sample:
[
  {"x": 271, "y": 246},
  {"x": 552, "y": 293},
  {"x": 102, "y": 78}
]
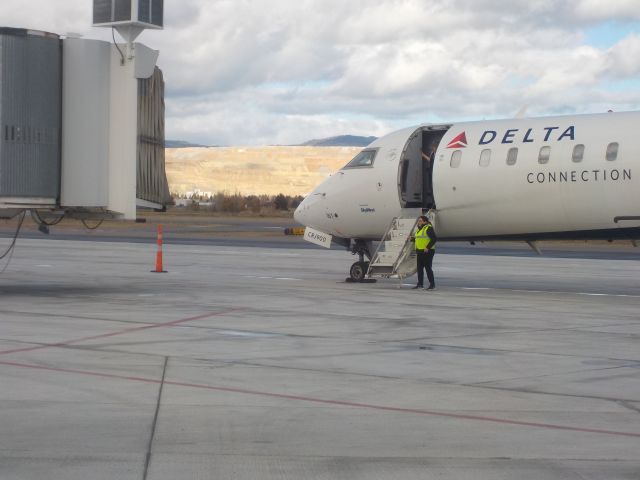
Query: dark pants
[{"x": 425, "y": 261}]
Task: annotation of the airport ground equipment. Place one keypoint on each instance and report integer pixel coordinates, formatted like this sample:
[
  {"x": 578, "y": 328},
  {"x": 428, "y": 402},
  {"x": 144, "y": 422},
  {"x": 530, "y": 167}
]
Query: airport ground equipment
[
  {"x": 395, "y": 256},
  {"x": 298, "y": 231}
]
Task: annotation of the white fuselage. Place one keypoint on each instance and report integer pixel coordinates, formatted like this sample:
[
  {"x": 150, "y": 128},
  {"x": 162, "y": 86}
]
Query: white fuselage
[{"x": 570, "y": 175}]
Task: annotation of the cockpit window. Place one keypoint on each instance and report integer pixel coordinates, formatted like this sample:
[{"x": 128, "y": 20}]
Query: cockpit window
[{"x": 363, "y": 159}]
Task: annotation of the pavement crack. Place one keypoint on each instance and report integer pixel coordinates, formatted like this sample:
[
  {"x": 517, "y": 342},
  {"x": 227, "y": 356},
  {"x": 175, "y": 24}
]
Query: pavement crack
[
  {"x": 630, "y": 406},
  {"x": 155, "y": 421},
  {"x": 633, "y": 364},
  {"x": 546, "y": 392}
]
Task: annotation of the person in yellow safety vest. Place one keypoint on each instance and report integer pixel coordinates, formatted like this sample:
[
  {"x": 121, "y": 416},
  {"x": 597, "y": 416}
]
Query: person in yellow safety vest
[{"x": 425, "y": 239}]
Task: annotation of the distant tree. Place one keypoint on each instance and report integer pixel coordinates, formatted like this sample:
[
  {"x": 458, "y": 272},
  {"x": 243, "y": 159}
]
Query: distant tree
[
  {"x": 265, "y": 200},
  {"x": 281, "y": 202},
  {"x": 223, "y": 202},
  {"x": 253, "y": 203},
  {"x": 233, "y": 203},
  {"x": 295, "y": 201}
]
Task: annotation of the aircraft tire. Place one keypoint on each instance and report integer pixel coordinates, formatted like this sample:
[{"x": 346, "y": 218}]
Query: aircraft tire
[{"x": 358, "y": 271}]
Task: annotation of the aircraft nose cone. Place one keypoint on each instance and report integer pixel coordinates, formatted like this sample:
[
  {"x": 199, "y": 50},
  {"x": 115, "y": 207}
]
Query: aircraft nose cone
[
  {"x": 310, "y": 211},
  {"x": 299, "y": 215}
]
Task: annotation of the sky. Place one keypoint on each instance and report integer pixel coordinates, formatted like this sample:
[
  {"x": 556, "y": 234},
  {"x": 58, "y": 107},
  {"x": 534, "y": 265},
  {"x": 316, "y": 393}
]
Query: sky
[{"x": 266, "y": 72}]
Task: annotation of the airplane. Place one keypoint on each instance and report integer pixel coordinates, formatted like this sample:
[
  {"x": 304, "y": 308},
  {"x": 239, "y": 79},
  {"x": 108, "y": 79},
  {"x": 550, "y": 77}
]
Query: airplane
[{"x": 574, "y": 177}]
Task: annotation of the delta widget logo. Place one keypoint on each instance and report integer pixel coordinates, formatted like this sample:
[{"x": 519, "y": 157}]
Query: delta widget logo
[{"x": 459, "y": 142}]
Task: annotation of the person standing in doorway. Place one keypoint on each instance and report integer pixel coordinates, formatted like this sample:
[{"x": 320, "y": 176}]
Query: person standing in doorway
[
  {"x": 425, "y": 241},
  {"x": 427, "y": 172}
]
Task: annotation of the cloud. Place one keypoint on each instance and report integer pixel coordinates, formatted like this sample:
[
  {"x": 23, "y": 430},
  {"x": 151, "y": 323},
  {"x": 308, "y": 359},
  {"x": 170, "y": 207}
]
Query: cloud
[
  {"x": 600, "y": 10},
  {"x": 622, "y": 58},
  {"x": 284, "y": 71}
]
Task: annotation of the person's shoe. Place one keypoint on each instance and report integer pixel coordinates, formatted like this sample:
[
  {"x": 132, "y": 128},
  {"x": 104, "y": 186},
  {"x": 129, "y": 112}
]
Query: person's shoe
[
  {"x": 431, "y": 287},
  {"x": 417, "y": 286}
]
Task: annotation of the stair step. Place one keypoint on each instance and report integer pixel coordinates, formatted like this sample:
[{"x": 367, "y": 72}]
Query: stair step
[
  {"x": 387, "y": 258},
  {"x": 381, "y": 268},
  {"x": 393, "y": 245},
  {"x": 382, "y": 264},
  {"x": 398, "y": 234},
  {"x": 405, "y": 224}
]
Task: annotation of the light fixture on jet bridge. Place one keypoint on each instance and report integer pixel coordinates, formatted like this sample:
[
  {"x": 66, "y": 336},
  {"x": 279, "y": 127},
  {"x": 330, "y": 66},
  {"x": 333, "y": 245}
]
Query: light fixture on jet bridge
[{"x": 129, "y": 17}]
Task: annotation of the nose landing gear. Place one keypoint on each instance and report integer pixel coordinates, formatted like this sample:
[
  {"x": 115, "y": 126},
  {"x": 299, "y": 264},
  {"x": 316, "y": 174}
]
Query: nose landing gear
[{"x": 358, "y": 270}]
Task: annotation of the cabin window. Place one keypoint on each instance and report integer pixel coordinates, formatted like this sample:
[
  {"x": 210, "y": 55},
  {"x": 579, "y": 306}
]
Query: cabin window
[
  {"x": 456, "y": 159},
  {"x": 543, "y": 156},
  {"x": 364, "y": 159},
  {"x": 485, "y": 157},
  {"x": 612, "y": 152},
  {"x": 512, "y": 156},
  {"x": 578, "y": 153}
]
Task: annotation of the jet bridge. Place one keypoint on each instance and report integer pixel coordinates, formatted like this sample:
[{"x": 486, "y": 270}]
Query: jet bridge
[{"x": 81, "y": 127}]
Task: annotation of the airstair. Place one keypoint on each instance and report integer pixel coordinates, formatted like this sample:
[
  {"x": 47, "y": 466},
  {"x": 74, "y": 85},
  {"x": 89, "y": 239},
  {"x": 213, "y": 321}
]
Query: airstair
[{"x": 395, "y": 256}]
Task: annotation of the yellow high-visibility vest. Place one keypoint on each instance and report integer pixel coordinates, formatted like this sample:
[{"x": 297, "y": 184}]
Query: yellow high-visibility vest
[{"x": 423, "y": 240}]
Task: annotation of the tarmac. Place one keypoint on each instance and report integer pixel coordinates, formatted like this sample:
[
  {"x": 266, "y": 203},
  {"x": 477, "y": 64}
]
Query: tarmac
[{"x": 262, "y": 363}]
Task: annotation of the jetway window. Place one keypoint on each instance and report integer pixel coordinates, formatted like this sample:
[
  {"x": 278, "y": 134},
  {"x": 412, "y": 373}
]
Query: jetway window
[
  {"x": 578, "y": 153},
  {"x": 543, "y": 156},
  {"x": 512, "y": 156},
  {"x": 485, "y": 157},
  {"x": 612, "y": 152},
  {"x": 144, "y": 11},
  {"x": 456, "y": 159},
  {"x": 122, "y": 10},
  {"x": 364, "y": 159}
]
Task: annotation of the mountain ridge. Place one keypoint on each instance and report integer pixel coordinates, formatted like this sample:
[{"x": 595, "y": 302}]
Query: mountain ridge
[{"x": 337, "y": 141}]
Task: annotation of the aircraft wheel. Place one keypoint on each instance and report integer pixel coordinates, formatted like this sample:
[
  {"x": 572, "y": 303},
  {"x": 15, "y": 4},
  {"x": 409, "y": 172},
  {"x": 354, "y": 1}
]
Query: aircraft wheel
[{"x": 358, "y": 271}]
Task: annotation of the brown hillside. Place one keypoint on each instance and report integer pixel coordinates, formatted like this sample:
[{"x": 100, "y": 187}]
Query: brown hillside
[{"x": 253, "y": 170}]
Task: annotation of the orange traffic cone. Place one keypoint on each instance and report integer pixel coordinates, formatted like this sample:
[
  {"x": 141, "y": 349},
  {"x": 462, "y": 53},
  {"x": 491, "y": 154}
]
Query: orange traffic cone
[{"x": 159, "y": 253}]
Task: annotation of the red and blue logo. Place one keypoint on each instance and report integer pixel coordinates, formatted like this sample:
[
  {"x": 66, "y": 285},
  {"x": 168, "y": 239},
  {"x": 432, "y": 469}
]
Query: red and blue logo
[
  {"x": 515, "y": 135},
  {"x": 459, "y": 142}
]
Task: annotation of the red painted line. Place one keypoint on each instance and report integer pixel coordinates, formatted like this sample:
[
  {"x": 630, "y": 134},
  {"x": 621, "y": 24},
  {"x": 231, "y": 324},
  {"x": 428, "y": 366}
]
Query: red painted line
[
  {"x": 119, "y": 332},
  {"x": 339, "y": 403},
  {"x": 80, "y": 372}
]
